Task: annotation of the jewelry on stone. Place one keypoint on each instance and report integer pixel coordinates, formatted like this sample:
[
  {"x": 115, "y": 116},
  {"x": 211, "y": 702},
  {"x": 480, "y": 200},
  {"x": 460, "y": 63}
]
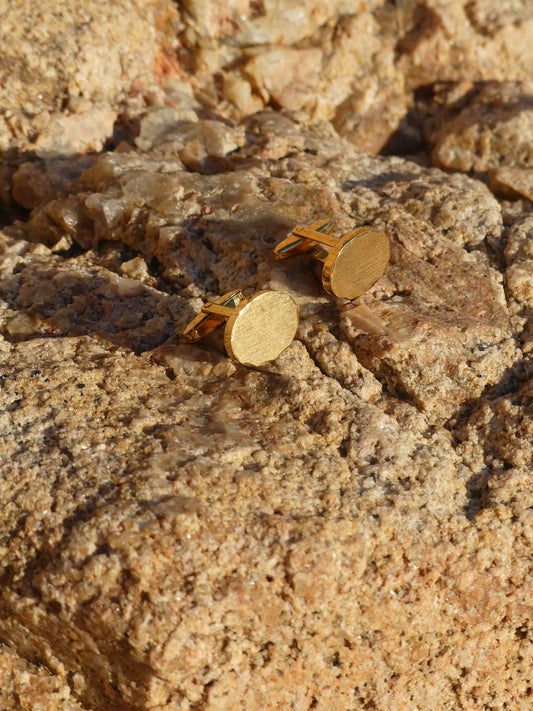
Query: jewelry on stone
[
  {"x": 258, "y": 328},
  {"x": 353, "y": 262}
]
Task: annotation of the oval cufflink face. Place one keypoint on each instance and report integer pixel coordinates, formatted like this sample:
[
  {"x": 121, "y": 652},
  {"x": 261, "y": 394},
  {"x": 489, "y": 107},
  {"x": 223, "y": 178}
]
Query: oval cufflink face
[
  {"x": 357, "y": 264},
  {"x": 261, "y": 327}
]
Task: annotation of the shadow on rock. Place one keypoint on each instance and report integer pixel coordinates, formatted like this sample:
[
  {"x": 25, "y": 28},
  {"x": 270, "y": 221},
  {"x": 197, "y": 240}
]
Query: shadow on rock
[{"x": 47, "y": 297}]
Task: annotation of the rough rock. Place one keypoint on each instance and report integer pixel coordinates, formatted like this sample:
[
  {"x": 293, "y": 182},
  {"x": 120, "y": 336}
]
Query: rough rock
[
  {"x": 508, "y": 447},
  {"x": 519, "y": 258},
  {"x": 65, "y": 68},
  {"x": 349, "y": 526},
  {"x": 493, "y": 130},
  {"x": 519, "y": 277},
  {"x": 460, "y": 40},
  {"x": 153, "y": 542},
  {"x": 210, "y": 536},
  {"x": 512, "y": 182},
  {"x": 428, "y": 216},
  {"x": 356, "y": 64},
  {"x": 24, "y": 685}
]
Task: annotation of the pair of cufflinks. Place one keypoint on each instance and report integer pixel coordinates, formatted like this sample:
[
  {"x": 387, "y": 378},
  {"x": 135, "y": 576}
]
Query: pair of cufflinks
[{"x": 260, "y": 327}]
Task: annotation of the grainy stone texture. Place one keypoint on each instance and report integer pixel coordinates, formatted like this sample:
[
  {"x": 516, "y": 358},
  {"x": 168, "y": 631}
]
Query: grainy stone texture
[
  {"x": 519, "y": 276},
  {"x": 27, "y": 687},
  {"x": 235, "y": 216},
  {"x": 72, "y": 74},
  {"x": 512, "y": 182},
  {"x": 493, "y": 130},
  {"x": 352, "y": 62},
  {"x": 348, "y": 527},
  {"x": 65, "y": 68}
]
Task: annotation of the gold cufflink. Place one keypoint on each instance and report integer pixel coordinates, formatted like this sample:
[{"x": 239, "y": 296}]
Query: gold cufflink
[
  {"x": 258, "y": 328},
  {"x": 353, "y": 262}
]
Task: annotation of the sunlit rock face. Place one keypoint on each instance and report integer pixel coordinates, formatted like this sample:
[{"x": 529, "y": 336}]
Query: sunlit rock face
[{"x": 349, "y": 525}]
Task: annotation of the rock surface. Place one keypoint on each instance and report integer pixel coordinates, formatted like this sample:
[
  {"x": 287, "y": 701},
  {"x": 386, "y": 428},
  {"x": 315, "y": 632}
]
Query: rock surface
[
  {"x": 72, "y": 74},
  {"x": 348, "y": 527},
  {"x": 494, "y": 130},
  {"x": 65, "y": 68},
  {"x": 24, "y": 685}
]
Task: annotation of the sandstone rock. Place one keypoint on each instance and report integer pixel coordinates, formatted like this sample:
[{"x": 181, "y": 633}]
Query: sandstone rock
[
  {"x": 24, "y": 685},
  {"x": 35, "y": 184},
  {"x": 273, "y": 72},
  {"x": 509, "y": 420},
  {"x": 65, "y": 67},
  {"x": 494, "y": 129},
  {"x": 146, "y": 542},
  {"x": 220, "y": 519},
  {"x": 205, "y": 573},
  {"x": 76, "y": 133},
  {"x": 160, "y": 121},
  {"x": 512, "y": 182},
  {"x": 363, "y": 83},
  {"x": 236, "y": 217},
  {"x": 461, "y": 40},
  {"x": 347, "y": 527},
  {"x": 247, "y": 23},
  {"x": 357, "y": 65},
  {"x": 344, "y": 70},
  {"x": 488, "y": 19},
  {"x": 519, "y": 277},
  {"x": 86, "y": 297},
  {"x": 195, "y": 142},
  {"x": 519, "y": 258}
]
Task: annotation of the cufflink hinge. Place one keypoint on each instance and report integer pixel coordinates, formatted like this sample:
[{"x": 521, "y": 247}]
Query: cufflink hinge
[
  {"x": 212, "y": 315},
  {"x": 352, "y": 263},
  {"x": 306, "y": 239}
]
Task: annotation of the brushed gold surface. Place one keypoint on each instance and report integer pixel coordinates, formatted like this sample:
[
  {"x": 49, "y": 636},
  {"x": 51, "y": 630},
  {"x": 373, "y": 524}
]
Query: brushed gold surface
[
  {"x": 258, "y": 328},
  {"x": 356, "y": 262},
  {"x": 261, "y": 327},
  {"x": 352, "y": 262}
]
